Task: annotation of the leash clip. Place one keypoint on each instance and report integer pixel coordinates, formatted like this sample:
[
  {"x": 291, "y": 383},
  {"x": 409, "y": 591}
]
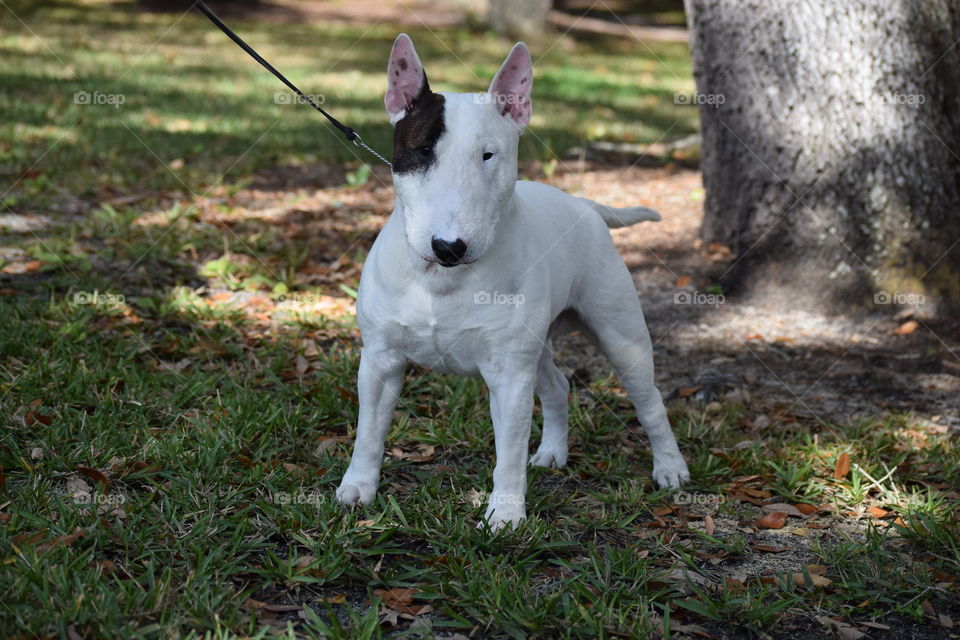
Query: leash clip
[{"x": 358, "y": 141}]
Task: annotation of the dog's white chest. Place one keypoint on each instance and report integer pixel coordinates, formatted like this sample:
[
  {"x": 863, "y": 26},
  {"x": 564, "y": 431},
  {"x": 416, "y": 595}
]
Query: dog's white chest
[
  {"x": 433, "y": 331},
  {"x": 441, "y": 350}
]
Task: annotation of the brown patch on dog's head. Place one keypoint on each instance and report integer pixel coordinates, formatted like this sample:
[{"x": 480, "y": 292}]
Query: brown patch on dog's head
[{"x": 416, "y": 134}]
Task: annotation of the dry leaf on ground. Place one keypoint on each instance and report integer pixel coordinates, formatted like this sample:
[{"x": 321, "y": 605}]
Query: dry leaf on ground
[
  {"x": 774, "y": 520},
  {"x": 400, "y": 599},
  {"x": 842, "y": 468}
]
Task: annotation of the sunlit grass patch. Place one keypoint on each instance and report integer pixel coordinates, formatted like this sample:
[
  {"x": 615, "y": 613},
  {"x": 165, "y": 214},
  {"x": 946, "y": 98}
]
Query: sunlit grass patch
[{"x": 106, "y": 112}]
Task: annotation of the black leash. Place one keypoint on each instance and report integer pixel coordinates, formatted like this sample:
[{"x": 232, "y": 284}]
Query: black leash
[{"x": 351, "y": 135}]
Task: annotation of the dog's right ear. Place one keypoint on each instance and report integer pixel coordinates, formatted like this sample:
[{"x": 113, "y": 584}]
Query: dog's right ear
[{"x": 406, "y": 79}]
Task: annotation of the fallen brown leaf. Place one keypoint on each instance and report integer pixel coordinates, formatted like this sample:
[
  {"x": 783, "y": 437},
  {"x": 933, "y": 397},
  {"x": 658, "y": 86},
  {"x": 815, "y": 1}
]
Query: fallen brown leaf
[
  {"x": 97, "y": 476},
  {"x": 328, "y": 442},
  {"x": 757, "y": 493},
  {"x": 424, "y": 453},
  {"x": 399, "y": 599},
  {"x": 780, "y": 507},
  {"x": 774, "y": 520},
  {"x": 296, "y": 470},
  {"x": 29, "y": 538},
  {"x": 850, "y": 633},
  {"x": 684, "y": 577},
  {"x": 258, "y": 605},
  {"x": 816, "y": 580},
  {"x": 684, "y": 392},
  {"x": 842, "y": 468},
  {"x": 877, "y": 512},
  {"x": 104, "y": 566},
  {"x": 843, "y": 629},
  {"x": 390, "y": 618},
  {"x": 874, "y": 625},
  {"x": 62, "y": 541},
  {"x": 733, "y": 584},
  {"x": 31, "y": 419},
  {"x": 25, "y": 267},
  {"x": 906, "y": 328},
  {"x": 769, "y": 549},
  {"x": 337, "y": 598}
]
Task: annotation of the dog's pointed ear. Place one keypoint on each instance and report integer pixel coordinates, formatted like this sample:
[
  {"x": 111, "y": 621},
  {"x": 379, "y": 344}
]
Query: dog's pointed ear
[
  {"x": 511, "y": 87},
  {"x": 406, "y": 79}
]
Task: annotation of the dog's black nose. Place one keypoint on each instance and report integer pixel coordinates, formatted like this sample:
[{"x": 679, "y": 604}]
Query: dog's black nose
[{"x": 449, "y": 253}]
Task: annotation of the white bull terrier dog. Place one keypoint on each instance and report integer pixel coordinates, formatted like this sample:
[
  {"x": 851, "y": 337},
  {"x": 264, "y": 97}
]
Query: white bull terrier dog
[{"x": 465, "y": 237}]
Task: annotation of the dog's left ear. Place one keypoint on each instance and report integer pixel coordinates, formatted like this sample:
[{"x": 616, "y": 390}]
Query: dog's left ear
[{"x": 511, "y": 87}]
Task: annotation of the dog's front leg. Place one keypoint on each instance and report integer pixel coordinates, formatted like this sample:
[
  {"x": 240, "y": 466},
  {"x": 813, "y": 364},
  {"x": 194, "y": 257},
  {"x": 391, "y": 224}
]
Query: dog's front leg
[
  {"x": 378, "y": 384},
  {"x": 511, "y": 408}
]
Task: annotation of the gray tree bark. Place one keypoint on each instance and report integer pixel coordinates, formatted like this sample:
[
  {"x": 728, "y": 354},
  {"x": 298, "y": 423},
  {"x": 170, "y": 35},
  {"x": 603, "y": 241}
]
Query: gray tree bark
[
  {"x": 519, "y": 19},
  {"x": 831, "y": 148}
]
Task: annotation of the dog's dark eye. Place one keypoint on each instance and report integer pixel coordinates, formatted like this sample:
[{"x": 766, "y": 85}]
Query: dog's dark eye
[
  {"x": 487, "y": 156},
  {"x": 423, "y": 150}
]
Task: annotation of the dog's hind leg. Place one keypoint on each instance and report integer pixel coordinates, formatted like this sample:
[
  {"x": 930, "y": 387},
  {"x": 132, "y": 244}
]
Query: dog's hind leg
[
  {"x": 552, "y": 389},
  {"x": 613, "y": 314}
]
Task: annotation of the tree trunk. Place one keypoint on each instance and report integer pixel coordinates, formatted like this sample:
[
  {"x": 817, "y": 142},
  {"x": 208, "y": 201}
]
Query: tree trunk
[
  {"x": 519, "y": 19},
  {"x": 831, "y": 148}
]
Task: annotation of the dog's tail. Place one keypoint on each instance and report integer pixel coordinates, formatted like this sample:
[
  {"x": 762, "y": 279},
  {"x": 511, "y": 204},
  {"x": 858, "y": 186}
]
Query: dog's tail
[{"x": 623, "y": 217}]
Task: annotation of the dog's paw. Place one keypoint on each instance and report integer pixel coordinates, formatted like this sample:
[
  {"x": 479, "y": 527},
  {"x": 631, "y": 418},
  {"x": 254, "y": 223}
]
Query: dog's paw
[
  {"x": 352, "y": 493},
  {"x": 549, "y": 458},
  {"x": 670, "y": 472},
  {"x": 504, "y": 512}
]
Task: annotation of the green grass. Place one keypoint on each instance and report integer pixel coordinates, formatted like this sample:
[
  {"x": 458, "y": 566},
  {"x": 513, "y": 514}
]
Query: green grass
[
  {"x": 192, "y": 99},
  {"x": 222, "y": 498},
  {"x": 194, "y": 413}
]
